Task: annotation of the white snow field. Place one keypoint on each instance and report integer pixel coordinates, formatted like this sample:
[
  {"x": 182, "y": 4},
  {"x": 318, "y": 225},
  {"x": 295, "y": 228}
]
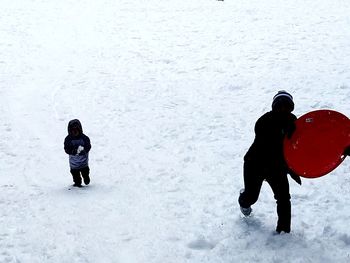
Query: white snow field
[{"x": 168, "y": 92}]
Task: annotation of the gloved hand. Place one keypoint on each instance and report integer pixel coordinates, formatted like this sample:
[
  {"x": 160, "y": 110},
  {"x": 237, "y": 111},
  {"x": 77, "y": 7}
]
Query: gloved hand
[
  {"x": 295, "y": 177},
  {"x": 347, "y": 151},
  {"x": 290, "y": 130},
  {"x": 82, "y": 152}
]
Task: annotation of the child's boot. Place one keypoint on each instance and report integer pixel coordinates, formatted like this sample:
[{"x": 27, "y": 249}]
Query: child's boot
[
  {"x": 86, "y": 179},
  {"x": 76, "y": 179}
]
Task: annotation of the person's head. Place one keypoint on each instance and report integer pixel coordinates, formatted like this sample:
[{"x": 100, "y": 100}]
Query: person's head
[
  {"x": 75, "y": 128},
  {"x": 282, "y": 102}
]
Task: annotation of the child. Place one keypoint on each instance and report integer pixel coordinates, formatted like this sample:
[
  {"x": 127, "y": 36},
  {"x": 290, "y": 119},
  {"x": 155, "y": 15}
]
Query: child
[
  {"x": 77, "y": 145},
  {"x": 265, "y": 161}
]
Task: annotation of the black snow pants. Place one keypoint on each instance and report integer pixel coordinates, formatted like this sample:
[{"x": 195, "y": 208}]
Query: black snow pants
[
  {"x": 78, "y": 173},
  {"x": 254, "y": 175}
]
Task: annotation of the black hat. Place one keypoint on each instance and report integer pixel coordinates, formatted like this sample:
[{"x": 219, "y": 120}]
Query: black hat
[{"x": 283, "y": 97}]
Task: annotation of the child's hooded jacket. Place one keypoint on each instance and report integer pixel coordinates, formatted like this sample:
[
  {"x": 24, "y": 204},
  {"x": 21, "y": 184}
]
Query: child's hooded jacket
[{"x": 78, "y": 158}]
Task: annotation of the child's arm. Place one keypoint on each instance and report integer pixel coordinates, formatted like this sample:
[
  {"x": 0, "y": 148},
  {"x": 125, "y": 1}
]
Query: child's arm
[
  {"x": 290, "y": 128},
  {"x": 87, "y": 144},
  {"x": 68, "y": 147}
]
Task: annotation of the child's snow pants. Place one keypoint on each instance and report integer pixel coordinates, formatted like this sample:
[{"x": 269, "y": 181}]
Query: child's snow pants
[{"x": 254, "y": 175}]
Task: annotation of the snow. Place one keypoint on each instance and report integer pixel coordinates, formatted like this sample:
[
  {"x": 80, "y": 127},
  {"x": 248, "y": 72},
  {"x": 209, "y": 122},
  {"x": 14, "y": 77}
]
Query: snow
[{"x": 168, "y": 92}]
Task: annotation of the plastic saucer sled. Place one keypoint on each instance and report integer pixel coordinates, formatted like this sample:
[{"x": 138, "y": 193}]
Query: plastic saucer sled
[{"x": 318, "y": 143}]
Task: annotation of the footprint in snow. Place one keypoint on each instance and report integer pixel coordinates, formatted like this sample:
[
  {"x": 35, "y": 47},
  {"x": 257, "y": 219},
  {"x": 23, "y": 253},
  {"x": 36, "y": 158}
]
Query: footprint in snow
[{"x": 201, "y": 244}]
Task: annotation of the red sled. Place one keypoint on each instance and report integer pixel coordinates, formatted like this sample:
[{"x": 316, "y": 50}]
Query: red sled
[{"x": 317, "y": 146}]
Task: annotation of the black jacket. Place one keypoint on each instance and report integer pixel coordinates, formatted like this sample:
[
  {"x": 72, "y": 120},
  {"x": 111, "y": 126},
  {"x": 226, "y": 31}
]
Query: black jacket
[
  {"x": 77, "y": 160},
  {"x": 270, "y": 131}
]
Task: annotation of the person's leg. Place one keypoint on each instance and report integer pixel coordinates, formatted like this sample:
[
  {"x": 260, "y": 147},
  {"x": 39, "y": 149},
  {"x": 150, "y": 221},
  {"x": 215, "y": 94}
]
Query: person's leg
[
  {"x": 85, "y": 173},
  {"x": 76, "y": 177},
  {"x": 280, "y": 187},
  {"x": 252, "y": 185}
]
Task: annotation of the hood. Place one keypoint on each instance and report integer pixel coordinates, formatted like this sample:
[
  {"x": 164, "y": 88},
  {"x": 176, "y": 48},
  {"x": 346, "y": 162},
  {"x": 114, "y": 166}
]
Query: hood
[{"x": 74, "y": 124}]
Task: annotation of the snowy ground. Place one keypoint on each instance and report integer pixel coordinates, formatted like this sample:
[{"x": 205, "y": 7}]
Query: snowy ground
[{"x": 168, "y": 92}]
